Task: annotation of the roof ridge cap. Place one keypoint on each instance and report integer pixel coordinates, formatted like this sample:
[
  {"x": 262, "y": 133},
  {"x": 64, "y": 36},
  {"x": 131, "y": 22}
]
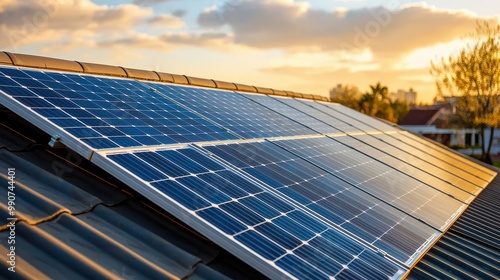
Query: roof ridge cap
[{"x": 43, "y": 62}]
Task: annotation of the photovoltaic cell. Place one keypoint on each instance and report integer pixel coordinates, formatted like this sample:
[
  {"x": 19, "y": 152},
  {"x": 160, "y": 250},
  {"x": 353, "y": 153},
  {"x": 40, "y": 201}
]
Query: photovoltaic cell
[
  {"x": 234, "y": 112},
  {"x": 274, "y": 229},
  {"x": 336, "y": 201},
  {"x": 273, "y": 103}
]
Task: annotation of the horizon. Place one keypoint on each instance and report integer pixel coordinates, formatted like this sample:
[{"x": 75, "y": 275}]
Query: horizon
[{"x": 303, "y": 46}]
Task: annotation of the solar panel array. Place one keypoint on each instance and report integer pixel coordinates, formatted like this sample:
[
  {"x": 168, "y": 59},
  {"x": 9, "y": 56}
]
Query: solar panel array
[{"x": 296, "y": 188}]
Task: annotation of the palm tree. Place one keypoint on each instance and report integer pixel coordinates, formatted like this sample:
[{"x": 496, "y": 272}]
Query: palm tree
[{"x": 372, "y": 103}]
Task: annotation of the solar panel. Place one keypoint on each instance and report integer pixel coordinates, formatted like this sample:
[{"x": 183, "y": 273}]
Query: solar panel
[
  {"x": 459, "y": 161},
  {"x": 347, "y": 123},
  {"x": 353, "y": 115},
  {"x": 107, "y": 113},
  {"x": 341, "y": 204},
  {"x": 276, "y": 104},
  {"x": 297, "y": 205},
  {"x": 234, "y": 112},
  {"x": 464, "y": 172},
  {"x": 375, "y": 178},
  {"x": 266, "y": 230},
  {"x": 335, "y": 122},
  {"x": 439, "y": 178}
]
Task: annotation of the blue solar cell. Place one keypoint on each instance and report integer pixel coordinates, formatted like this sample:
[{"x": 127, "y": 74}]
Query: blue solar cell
[
  {"x": 4, "y": 81},
  {"x": 79, "y": 113},
  {"x": 204, "y": 189},
  {"x": 30, "y": 83},
  {"x": 279, "y": 236},
  {"x": 162, "y": 164},
  {"x": 242, "y": 213},
  {"x": 137, "y": 167},
  {"x": 260, "y": 207},
  {"x": 125, "y": 141},
  {"x": 202, "y": 159},
  {"x": 272, "y": 200},
  {"x": 260, "y": 245},
  {"x": 237, "y": 180},
  {"x": 307, "y": 221},
  {"x": 374, "y": 260},
  {"x": 343, "y": 241},
  {"x": 17, "y": 91},
  {"x": 100, "y": 143},
  {"x": 296, "y": 267},
  {"x": 347, "y": 274},
  {"x": 39, "y": 75},
  {"x": 300, "y": 231},
  {"x": 222, "y": 220},
  {"x": 223, "y": 185},
  {"x": 67, "y": 123},
  {"x": 11, "y": 72},
  {"x": 34, "y": 102},
  {"x": 331, "y": 249},
  {"x": 318, "y": 259},
  {"x": 52, "y": 113},
  {"x": 366, "y": 271},
  {"x": 182, "y": 195},
  {"x": 83, "y": 132}
]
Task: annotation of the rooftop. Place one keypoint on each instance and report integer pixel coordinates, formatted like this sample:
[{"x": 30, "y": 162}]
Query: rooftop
[{"x": 76, "y": 220}]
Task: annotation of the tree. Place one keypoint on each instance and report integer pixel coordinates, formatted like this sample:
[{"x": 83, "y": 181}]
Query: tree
[
  {"x": 376, "y": 101},
  {"x": 346, "y": 95},
  {"x": 474, "y": 74}
]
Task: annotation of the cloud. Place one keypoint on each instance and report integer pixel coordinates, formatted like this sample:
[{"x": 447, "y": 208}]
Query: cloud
[
  {"x": 292, "y": 26},
  {"x": 179, "y": 13},
  {"x": 166, "y": 21},
  {"x": 30, "y": 21},
  {"x": 149, "y": 2},
  {"x": 318, "y": 80}
]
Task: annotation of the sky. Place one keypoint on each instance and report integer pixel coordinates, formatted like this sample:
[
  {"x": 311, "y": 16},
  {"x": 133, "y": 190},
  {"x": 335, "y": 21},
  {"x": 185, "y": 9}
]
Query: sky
[{"x": 302, "y": 46}]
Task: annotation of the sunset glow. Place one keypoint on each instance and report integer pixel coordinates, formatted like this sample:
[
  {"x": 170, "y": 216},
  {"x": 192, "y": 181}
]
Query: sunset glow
[{"x": 304, "y": 46}]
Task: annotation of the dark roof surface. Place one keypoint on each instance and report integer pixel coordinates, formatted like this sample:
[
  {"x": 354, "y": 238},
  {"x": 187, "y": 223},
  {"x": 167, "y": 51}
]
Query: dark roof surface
[
  {"x": 77, "y": 222},
  {"x": 419, "y": 116},
  {"x": 471, "y": 247}
]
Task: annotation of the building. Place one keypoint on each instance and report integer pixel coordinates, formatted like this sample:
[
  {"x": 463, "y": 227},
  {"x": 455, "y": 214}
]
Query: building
[
  {"x": 409, "y": 97},
  {"x": 431, "y": 123},
  {"x": 434, "y": 122},
  {"x": 334, "y": 91},
  {"x": 80, "y": 219}
]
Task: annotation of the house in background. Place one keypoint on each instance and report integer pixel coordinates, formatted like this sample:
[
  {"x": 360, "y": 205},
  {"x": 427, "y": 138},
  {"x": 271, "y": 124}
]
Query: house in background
[{"x": 432, "y": 122}]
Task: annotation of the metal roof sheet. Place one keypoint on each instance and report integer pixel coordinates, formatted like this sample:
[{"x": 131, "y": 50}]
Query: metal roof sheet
[
  {"x": 471, "y": 247},
  {"x": 80, "y": 223}
]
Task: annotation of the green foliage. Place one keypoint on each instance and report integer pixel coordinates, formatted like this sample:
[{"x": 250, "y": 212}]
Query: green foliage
[
  {"x": 474, "y": 74},
  {"x": 375, "y": 102},
  {"x": 348, "y": 96}
]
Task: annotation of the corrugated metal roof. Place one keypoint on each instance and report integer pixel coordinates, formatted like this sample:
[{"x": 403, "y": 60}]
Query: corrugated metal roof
[
  {"x": 77, "y": 222},
  {"x": 471, "y": 247}
]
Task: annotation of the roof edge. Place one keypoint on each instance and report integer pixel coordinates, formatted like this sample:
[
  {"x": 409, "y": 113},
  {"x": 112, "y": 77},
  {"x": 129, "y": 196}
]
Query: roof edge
[{"x": 34, "y": 61}]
